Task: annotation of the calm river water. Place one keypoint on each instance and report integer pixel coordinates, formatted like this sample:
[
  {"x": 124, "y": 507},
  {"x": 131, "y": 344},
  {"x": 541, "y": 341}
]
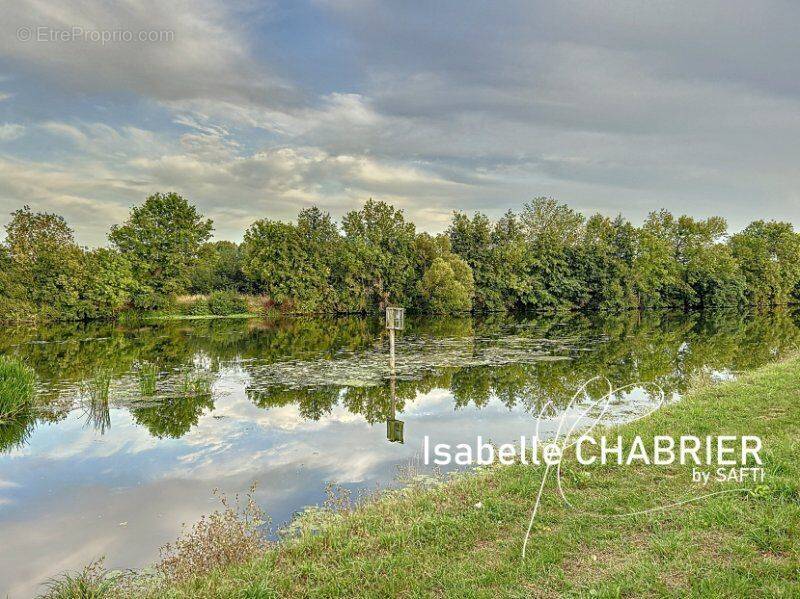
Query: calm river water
[{"x": 136, "y": 425}]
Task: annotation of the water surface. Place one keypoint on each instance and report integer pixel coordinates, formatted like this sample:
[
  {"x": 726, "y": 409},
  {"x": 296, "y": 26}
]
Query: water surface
[{"x": 136, "y": 425}]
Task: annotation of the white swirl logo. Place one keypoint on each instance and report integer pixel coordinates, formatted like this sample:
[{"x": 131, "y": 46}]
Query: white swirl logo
[
  {"x": 567, "y": 436},
  {"x": 24, "y": 34}
]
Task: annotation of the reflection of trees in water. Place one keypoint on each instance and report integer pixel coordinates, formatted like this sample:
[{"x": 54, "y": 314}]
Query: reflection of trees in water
[
  {"x": 659, "y": 347},
  {"x": 174, "y": 416},
  {"x": 15, "y": 433},
  {"x": 312, "y": 403}
]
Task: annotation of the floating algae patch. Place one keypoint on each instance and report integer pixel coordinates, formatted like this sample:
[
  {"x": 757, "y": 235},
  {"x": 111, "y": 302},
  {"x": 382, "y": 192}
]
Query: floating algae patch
[{"x": 415, "y": 357}]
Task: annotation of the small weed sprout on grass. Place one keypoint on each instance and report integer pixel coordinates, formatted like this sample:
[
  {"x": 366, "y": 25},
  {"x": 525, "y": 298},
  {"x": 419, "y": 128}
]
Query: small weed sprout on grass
[
  {"x": 92, "y": 582},
  {"x": 225, "y": 537},
  {"x": 148, "y": 375},
  {"x": 17, "y": 385}
]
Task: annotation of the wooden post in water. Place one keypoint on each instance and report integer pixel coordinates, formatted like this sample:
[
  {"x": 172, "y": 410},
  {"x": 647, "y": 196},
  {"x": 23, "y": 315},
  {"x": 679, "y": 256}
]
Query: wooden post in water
[
  {"x": 395, "y": 320},
  {"x": 391, "y": 350}
]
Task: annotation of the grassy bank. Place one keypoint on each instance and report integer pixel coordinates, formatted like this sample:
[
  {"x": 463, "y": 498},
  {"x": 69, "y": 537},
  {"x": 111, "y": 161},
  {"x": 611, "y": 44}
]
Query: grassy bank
[{"x": 464, "y": 538}]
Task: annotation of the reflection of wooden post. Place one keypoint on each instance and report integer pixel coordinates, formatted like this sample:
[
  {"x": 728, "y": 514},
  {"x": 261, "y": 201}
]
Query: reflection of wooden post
[{"x": 393, "y": 389}]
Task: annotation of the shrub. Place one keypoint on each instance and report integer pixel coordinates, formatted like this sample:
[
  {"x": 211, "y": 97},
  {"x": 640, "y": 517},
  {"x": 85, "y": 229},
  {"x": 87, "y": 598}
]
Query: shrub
[
  {"x": 17, "y": 383},
  {"x": 199, "y": 308},
  {"x": 447, "y": 286},
  {"x": 193, "y": 306},
  {"x": 225, "y": 537},
  {"x": 225, "y": 303}
]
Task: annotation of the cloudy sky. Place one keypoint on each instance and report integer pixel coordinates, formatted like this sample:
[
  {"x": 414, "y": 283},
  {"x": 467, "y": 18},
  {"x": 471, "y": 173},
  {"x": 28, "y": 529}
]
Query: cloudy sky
[{"x": 257, "y": 109}]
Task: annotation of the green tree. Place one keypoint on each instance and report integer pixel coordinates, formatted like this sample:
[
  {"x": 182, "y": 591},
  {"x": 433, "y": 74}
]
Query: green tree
[
  {"x": 278, "y": 262},
  {"x": 380, "y": 261},
  {"x": 768, "y": 254},
  {"x": 218, "y": 267},
  {"x": 13, "y": 302},
  {"x": 445, "y": 283},
  {"x": 500, "y": 259},
  {"x": 447, "y": 286},
  {"x": 471, "y": 239},
  {"x": 161, "y": 239},
  {"x": 604, "y": 260},
  {"x": 44, "y": 263},
  {"x": 553, "y": 232},
  {"x": 107, "y": 284}
]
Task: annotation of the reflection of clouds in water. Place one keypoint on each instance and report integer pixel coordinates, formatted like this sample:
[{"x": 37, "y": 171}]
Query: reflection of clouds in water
[
  {"x": 423, "y": 403},
  {"x": 249, "y": 439},
  {"x": 83, "y": 523},
  {"x": 71, "y": 437}
]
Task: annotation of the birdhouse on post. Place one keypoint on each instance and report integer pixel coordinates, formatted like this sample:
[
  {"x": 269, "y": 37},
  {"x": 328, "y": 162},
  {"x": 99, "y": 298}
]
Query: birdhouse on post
[{"x": 395, "y": 318}]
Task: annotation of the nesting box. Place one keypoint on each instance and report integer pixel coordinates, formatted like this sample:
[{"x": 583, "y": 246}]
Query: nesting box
[
  {"x": 394, "y": 430},
  {"x": 395, "y": 318}
]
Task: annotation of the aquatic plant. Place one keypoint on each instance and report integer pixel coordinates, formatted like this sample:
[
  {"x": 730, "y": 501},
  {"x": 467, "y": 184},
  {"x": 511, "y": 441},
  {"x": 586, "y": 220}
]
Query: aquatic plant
[
  {"x": 194, "y": 384},
  {"x": 416, "y": 357},
  {"x": 148, "y": 375},
  {"x": 97, "y": 409},
  {"x": 17, "y": 385},
  {"x": 15, "y": 432},
  {"x": 100, "y": 385}
]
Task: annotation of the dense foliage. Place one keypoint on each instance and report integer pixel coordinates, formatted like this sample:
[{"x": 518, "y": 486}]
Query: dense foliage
[
  {"x": 161, "y": 239},
  {"x": 548, "y": 256}
]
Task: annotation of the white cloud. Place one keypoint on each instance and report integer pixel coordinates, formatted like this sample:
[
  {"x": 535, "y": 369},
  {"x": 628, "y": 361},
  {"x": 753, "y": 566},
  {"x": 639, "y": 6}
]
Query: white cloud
[
  {"x": 117, "y": 167},
  {"x": 9, "y": 131},
  {"x": 205, "y": 56}
]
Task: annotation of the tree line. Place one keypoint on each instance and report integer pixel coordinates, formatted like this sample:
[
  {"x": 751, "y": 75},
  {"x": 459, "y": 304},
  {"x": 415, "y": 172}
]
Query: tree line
[{"x": 547, "y": 256}]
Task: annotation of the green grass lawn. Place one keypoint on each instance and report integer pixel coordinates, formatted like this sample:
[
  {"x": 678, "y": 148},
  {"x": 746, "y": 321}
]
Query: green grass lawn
[{"x": 464, "y": 538}]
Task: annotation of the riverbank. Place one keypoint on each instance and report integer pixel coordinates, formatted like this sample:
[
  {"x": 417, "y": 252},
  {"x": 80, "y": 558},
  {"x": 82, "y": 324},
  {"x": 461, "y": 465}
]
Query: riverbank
[{"x": 464, "y": 538}]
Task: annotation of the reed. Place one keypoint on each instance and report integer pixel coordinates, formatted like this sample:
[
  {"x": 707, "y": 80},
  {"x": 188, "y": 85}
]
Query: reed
[
  {"x": 98, "y": 409},
  {"x": 195, "y": 384},
  {"x": 17, "y": 386},
  {"x": 148, "y": 375}
]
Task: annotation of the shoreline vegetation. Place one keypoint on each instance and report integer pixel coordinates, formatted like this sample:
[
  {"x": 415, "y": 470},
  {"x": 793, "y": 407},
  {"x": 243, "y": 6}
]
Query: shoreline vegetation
[
  {"x": 547, "y": 257},
  {"x": 463, "y": 536},
  {"x": 17, "y": 387}
]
